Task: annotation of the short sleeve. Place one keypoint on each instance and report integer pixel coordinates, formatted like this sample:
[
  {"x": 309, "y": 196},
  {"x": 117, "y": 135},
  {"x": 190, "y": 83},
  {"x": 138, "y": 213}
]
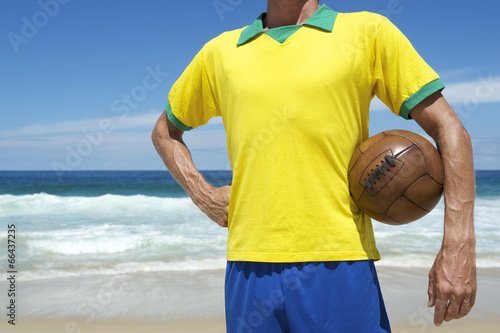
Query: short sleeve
[
  {"x": 401, "y": 78},
  {"x": 191, "y": 101}
]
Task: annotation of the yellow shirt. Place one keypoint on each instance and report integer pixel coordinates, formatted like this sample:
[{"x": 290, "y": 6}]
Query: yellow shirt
[{"x": 295, "y": 107}]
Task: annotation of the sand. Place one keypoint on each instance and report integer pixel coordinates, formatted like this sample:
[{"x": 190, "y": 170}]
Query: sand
[
  {"x": 201, "y": 309},
  {"x": 405, "y": 294},
  {"x": 462, "y": 326}
]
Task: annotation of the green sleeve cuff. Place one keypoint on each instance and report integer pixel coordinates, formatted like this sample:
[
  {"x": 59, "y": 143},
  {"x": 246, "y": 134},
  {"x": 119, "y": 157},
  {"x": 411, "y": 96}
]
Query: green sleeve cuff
[
  {"x": 424, "y": 92},
  {"x": 173, "y": 119}
]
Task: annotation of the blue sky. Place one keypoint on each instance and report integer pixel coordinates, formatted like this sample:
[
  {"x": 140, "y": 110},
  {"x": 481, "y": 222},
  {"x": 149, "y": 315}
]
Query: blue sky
[{"x": 83, "y": 81}]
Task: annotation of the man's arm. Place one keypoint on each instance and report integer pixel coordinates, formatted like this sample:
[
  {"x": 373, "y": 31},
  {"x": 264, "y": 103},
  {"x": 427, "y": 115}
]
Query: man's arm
[
  {"x": 213, "y": 201},
  {"x": 452, "y": 279}
]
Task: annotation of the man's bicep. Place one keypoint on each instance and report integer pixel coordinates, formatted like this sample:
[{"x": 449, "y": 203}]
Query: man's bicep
[
  {"x": 433, "y": 114},
  {"x": 172, "y": 129},
  {"x": 164, "y": 128}
]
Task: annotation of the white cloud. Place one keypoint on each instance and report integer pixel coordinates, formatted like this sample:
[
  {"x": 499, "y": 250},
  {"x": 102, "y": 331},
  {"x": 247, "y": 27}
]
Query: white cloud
[
  {"x": 484, "y": 89},
  {"x": 131, "y": 122},
  {"x": 460, "y": 73},
  {"x": 486, "y": 153},
  {"x": 129, "y": 135},
  {"x": 378, "y": 105},
  {"x": 208, "y": 139},
  {"x": 146, "y": 120}
]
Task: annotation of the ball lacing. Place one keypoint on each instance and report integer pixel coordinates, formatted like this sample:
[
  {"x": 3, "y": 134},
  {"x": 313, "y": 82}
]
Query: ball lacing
[{"x": 378, "y": 171}]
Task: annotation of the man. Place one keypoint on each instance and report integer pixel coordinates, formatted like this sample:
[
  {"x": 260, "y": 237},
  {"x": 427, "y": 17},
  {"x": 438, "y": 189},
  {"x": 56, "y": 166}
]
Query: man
[{"x": 293, "y": 90}]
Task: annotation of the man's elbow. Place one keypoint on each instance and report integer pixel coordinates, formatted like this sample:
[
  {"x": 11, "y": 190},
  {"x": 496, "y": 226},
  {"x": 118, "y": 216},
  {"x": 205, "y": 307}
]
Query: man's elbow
[
  {"x": 154, "y": 136},
  {"x": 164, "y": 130},
  {"x": 466, "y": 134},
  {"x": 458, "y": 130},
  {"x": 158, "y": 130},
  {"x": 467, "y": 139}
]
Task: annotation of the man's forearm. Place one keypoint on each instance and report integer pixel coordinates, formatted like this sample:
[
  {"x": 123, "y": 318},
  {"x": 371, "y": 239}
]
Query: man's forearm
[
  {"x": 459, "y": 188},
  {"x": 175, "y": 154},
  {"x": 439, "y": 120},
  {"x": 452, "y": 278},
  {"x": 168, "y": 142}
]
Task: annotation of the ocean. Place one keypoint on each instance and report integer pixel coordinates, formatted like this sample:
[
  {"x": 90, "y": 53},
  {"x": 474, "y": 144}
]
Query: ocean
[
  {"x": 118, "y": 222},
  {"x": 130, "y": 245}
]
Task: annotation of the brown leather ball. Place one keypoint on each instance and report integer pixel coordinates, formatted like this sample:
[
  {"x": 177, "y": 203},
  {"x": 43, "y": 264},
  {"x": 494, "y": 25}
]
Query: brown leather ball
[{"x": 396, "y": 177}]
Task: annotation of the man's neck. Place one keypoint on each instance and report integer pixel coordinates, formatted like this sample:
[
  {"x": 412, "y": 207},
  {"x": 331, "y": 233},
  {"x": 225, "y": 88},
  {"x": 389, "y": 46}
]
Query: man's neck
[{"x": 289, "y": 12}]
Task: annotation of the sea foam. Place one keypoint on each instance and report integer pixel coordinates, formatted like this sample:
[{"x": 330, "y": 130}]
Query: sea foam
[{"x": 114, "y": 234}]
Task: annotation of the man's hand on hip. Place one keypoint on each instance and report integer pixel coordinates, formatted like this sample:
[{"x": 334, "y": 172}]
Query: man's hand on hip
[{"x": 215, "y": 204}]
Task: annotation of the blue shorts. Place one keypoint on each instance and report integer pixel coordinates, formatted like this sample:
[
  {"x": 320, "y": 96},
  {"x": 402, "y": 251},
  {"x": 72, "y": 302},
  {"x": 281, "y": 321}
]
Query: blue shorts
[{"x": 304, "y": 297}]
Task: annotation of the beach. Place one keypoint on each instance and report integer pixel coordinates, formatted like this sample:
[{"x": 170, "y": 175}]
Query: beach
[
  {"x": 405, "y": 295},
  {"x": 127, "y": 251},
  {"x": 193, "y": 302}
]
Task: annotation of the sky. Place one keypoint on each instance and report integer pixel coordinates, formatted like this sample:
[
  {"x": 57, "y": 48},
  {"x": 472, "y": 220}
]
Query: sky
[{"x": 82, "y": 82}]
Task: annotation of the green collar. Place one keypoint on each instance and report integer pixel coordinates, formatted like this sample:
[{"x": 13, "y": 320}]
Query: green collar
[{"x": 324, "y": 18}]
